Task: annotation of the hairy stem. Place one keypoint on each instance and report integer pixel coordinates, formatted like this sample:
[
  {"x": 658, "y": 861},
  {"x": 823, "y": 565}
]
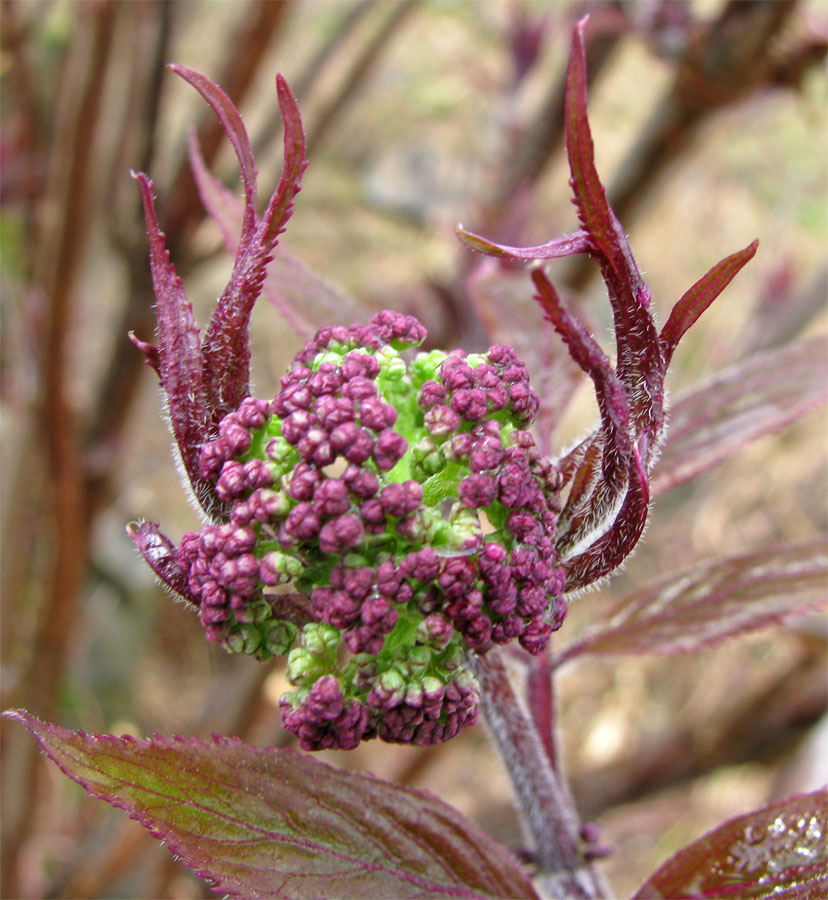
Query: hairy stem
[{"x": 543, "y": 799}]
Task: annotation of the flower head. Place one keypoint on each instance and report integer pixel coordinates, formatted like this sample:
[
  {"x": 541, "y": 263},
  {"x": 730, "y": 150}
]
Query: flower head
[{"x": 388, "y": 512}]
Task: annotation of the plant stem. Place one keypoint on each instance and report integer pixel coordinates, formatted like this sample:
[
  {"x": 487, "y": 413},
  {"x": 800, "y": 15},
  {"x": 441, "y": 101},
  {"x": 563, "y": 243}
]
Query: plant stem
[{"x": 543, "y": 798}]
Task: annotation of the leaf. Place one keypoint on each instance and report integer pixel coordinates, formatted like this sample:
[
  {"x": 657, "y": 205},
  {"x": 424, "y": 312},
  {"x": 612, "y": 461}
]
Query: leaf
[
  {"x": 565, "y": 245},
  {"x": 261, "y": 822},
  {"x": 756, "y": 396},
  {"x": 608, "y": 551},
  {"x": 161, "y": 556},
  {"x": 226, "y": 346},
  {"x": 305, "y": 300},
  {"x": 178, "y": 357},
  {"x": 585, "y": 510},
  {"x": 696, "y": 299},
  {"x": 778, "y": 852},
  {"x": 640, "y": 362},
  {"x": 713, "y": 601}
]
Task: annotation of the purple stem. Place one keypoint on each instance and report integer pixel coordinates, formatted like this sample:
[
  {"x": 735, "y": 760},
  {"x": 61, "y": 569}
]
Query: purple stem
[
  {"x": 540, "y": 700},
  {"x": 543, "y": 799}
]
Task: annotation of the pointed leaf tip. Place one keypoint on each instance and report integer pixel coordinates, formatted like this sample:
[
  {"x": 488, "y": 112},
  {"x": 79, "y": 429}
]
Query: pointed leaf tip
[{"x": 698, "y": 298}]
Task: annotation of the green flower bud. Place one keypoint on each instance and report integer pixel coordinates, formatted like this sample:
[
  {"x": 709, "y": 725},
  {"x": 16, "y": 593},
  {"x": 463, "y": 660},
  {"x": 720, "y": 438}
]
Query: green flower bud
[{"x": 320, "y": 640}]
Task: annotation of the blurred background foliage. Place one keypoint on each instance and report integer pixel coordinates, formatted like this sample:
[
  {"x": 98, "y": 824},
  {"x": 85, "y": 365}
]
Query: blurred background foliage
[{"x": 710, "y": 128}]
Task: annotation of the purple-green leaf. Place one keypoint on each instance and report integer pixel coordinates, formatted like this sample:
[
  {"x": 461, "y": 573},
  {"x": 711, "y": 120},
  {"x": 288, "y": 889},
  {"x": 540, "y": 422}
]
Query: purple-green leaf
[
  {"x": 260, "y": 822},
  {"x": 697, "y": 298},
  {"x": 757, "y": 396},
  {"x": 713, "y": 601},
  {"x": 778, "y": 852}
]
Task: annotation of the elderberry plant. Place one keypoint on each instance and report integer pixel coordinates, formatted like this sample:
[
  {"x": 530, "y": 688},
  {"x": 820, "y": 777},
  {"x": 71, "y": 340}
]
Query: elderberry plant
[{"x": 386, "y": 521}]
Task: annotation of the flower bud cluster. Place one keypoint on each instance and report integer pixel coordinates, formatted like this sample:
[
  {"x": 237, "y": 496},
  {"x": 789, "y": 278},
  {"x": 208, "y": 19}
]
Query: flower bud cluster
[{"x": 406, "y": 502}]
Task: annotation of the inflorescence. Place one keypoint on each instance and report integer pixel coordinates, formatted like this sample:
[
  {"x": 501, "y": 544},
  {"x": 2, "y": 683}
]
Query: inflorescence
[{"x": 385, "y": 514}]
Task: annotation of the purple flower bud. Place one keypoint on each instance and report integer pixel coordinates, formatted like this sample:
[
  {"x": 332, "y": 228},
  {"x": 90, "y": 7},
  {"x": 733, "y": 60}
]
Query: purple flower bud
[
  {"x": 340, "y": 534},
  {"x": 373, "y": 512},
  {"x": 356, "y": 364},
  {"x": 389, "y": 449},
  {"x": 457, "y": 577},
  {"x": 362, "y": 482},
  {"x": 524, "y": 403},
  {"x": 487, "y": 454},
  {"x": 376, "y": 415},
  {"x": 359, "y": 389},
  {"x": 297, "y": 425},
  {"x": 401, "y": 498},
  {"x": 326, "y": 380},
  {"x": 470, "y": 405},
  {"x": 456, "y": 374},
  {"x": 303, "y": 523},
  {"x": 431, "y": 394},
  {"x": 523, "y": 526},
  {"x": 331, "y": 498},
  {"x": 325, "y": 720},
  {"x": 337, "y": 608},
  {"x": 441, "y": 421},
  {"x": 462, "y": 445},
  {"x": 231, "y": 482},
  {"x": 535, "y": 637},
  {"x": 233, "y": 435},
  {"x": 295, "y": 397},
  {"x": 304, "y": 481},
  {"x": 391, "y": 583},
  {"x": 353, "y": 442},
  {"x": 211, "y": 458},
  {"x": 253, "y": 412},
  {"x": 506, "y": 630},
  {"x": 359, "y": 582},
  {"x": 477, "y": 491},
  {"x": 422, "y": 565},
  {"x": 333, "y": 411},
  {"x": 395, "y": 328},
  {"x": 315, "y": 447},
  {"x": 435, "y": 631}
]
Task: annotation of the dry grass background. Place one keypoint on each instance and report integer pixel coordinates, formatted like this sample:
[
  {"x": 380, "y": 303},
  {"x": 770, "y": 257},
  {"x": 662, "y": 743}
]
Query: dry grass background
[{"x": 659, "y": 750}]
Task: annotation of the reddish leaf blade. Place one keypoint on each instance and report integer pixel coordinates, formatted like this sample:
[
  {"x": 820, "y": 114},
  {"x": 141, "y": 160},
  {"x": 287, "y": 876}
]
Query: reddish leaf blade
[
  {"x": 233, "y": 127},
  {"x": 566, "y": 245},
  {"x": 640, "y": 363},
  {"x": 760, "y": 395},
  {"x": 778, "y": 852},
  {"x": 226, "y": 345},
  {"x": 609, "y": 550},
  {"x": 303, "y": 298},
  {"x": 713, "y": 601},
  {"x": 179, "y": 361},
  {"x": 585, "y": 510},
  {"x": 259, "y": 822},
  {"x": 280, "y": 207},
  {"x": 161, "y": 556},
  {"x": 696, "y": 300}
]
